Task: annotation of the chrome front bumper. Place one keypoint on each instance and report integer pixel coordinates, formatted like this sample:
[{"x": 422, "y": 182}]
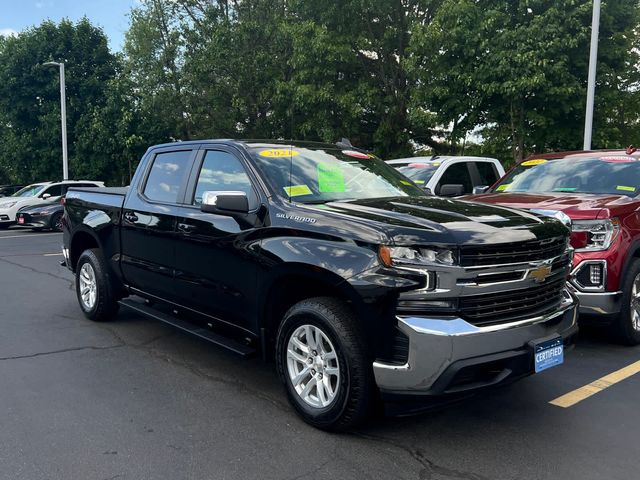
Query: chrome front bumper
[
  {"x": 438, "y": 346},
  {"x": 598, "y": 303}
]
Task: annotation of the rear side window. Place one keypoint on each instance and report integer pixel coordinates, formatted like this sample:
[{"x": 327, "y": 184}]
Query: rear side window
[
  {"x": 457, "y": 174},
  {"x": 221, "y": 171},
  {"x": 488, "y": 173},
  {"x": 166, "y": 176}
]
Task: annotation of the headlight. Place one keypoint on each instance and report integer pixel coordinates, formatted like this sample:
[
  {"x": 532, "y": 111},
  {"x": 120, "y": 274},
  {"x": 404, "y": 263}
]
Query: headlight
[
  {"x": 558, "y": 215},
  {"x": 594, "y": 235},
  {"x": 416, "y": 256},
  {"x": 6, "y": 206}
]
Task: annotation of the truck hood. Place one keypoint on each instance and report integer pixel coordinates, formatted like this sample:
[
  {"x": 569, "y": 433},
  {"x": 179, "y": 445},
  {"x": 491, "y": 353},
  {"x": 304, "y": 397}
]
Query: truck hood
[
  {"x": 577, "y": 206},
  {"x": 422, "y": 220}
]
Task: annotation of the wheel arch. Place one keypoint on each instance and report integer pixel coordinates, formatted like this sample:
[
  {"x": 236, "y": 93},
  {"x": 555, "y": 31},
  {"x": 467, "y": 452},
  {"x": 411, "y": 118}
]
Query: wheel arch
[
  {"x": 82, "y": 240},
  {"x": 286, "y": 287}
]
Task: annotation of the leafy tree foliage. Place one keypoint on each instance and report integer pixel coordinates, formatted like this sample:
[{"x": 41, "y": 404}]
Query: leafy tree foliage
[
  {"x": 519, "y": 70},
  {"x": 396, "y": 76},
  {"x": 30, "y": 146}
]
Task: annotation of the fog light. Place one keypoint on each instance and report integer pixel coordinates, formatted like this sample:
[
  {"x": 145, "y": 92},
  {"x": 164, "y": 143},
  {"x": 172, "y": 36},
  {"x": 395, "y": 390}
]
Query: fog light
[
  {"x": 590, "y": 275},
  {"x": 595, "y": 274}
]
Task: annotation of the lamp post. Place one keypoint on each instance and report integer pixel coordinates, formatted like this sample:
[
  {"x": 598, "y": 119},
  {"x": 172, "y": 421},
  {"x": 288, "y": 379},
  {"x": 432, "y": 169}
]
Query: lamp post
[
  {"x": 63, "y": 114},
  {"x": 591, "y": 85}
]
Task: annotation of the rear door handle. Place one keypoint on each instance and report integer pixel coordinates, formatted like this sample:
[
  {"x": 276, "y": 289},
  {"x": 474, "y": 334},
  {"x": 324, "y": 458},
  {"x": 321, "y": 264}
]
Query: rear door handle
[
  {"x": 130, "y": 217},
  {"x": 186, "y": 228}
]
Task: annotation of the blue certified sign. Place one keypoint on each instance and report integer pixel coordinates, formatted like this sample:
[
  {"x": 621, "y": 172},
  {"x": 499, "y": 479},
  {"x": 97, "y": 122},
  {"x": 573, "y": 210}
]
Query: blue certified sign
[{"x": 548, "y": 354}]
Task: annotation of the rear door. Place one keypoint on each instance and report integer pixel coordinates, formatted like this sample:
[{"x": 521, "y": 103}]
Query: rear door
[
  {"x": 216, "y": 262},
  {"x": 149, "y": 221}
]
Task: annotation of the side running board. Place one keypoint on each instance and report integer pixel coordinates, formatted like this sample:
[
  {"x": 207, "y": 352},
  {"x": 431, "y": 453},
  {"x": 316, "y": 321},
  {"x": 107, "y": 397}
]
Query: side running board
[{"x": 188, "y": 327}]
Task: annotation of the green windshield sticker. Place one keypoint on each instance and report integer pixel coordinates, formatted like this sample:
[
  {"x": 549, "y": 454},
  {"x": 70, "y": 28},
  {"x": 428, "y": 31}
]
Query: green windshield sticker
[
  {"x": 330, "y": 178},
  {"x": 404, "y": 182},
  {"x": 419, "y": 182},
  {"x": 565, "y": 189},
  {"x": 624, "y": 188},
  {"x": 297, "y": 190},
  {"x": 502, "y": 188}
]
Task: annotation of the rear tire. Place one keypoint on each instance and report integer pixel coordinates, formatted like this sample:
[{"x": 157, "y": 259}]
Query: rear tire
[
  {"x": 94, "y": 287},
  {"x": 322, "y": 360},
  {"x": 4, "y": 226},
  {"x": 628, "y": 322}
]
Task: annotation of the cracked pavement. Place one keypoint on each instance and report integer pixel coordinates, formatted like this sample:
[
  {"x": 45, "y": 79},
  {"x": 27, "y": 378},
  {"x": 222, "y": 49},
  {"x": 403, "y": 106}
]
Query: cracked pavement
[{"x": 134, "y": 399}]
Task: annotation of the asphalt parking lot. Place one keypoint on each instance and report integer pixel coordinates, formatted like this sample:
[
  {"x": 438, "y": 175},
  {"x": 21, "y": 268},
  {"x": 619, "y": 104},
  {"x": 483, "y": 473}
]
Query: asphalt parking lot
[{"x": 134, "y": 399}]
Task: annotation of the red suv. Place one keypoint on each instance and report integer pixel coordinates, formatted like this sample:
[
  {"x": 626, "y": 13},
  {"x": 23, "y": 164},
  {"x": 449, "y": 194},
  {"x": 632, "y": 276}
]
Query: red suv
[{"x": 598, "y": 193}]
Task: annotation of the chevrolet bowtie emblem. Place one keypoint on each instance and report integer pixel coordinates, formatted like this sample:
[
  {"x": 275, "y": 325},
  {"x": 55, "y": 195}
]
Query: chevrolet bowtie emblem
[{"x": 541, "y": 273}]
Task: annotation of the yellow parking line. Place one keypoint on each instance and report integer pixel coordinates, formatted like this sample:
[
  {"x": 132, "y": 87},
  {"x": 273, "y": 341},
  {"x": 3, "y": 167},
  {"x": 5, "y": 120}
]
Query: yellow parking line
[{"x": 582, "y": 393}]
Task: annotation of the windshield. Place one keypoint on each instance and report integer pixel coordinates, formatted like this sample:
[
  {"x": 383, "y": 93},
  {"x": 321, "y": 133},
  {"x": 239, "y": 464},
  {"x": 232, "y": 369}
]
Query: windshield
[
  {"x": 610, "y": 175},
  {"x": 420, "y": 173},
  {"x": 29, "y": 191},
  {"x": 323, "y": 175}
]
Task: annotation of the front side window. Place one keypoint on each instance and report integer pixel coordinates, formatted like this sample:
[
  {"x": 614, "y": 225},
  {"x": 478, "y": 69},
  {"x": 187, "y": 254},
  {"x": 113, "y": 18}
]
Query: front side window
[
  {"x": 166, "y": 176},
  {"x": 457, "y": 174},
  {"x": 223, "y": 172},
  {"x": 53, "y": 191}
]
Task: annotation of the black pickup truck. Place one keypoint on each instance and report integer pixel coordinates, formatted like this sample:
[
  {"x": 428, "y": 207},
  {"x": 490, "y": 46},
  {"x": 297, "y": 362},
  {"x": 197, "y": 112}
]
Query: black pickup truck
[{"x": 325, "y": 258}]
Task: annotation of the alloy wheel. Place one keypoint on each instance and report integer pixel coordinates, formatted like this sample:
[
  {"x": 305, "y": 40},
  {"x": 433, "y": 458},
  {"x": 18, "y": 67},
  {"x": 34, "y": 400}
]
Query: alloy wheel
[
  {"x": 88, "y": 286},
  {"x": 313, "y": 367}
]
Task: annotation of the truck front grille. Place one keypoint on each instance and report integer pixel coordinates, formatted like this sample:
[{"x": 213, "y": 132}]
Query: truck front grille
[
  {"x": 512, "y": 305},
  {"x": 482, "y": 255}
]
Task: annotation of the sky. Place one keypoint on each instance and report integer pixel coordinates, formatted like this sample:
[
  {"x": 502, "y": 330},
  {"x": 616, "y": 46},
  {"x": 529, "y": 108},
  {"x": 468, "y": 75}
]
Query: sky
[{"x": 111, "y": 15}]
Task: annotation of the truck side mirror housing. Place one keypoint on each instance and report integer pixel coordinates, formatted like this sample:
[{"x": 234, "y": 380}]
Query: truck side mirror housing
[
  {"x": 480, "y": 189},
  {"x": 224, "y": 202},
  {"x": 451, "y": 190},
  {"x": 46, "y": 195}
]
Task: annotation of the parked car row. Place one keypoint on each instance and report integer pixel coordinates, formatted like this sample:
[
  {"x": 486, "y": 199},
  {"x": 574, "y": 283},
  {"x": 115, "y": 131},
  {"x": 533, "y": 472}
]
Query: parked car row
[{"x": 38, "y": 205}]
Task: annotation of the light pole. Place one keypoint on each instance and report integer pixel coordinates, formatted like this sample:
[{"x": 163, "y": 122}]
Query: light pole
[
  {"x": 591, "y": 85},
  {"x": 63, "y": 114}
]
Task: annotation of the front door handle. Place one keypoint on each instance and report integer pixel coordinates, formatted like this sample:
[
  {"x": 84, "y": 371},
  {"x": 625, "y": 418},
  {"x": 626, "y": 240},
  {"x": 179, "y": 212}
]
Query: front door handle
[
  {"x": 186, "y": 228},
  {"x": 130, "y": 217}
]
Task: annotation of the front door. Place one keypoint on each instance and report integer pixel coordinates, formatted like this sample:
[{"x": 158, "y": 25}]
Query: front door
[
  {"x": 149, "y": 222},
  {"x": 216, "y": 266}
]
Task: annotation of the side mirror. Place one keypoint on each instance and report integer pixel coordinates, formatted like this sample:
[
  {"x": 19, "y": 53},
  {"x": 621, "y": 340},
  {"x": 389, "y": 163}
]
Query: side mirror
[
  {"x": 46, "y": 195},
  {"x": 480, "y": 189},
  {"x": 451, "y": 190},
  {"x": 224, "y": 202}
]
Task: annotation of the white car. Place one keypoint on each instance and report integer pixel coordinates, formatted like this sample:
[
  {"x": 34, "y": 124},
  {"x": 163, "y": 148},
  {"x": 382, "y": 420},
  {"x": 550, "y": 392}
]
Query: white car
[
  {"x": 450, "y": 176},
  {"x": 36, "y": 194}
]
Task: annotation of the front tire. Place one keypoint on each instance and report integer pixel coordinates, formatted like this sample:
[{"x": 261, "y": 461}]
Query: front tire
[
  {"x": 56, "y": 222},
  {"x": 322, "y": 360},
  {"x": 628, "y": 323},
  {"x": 94, "y": 287}
]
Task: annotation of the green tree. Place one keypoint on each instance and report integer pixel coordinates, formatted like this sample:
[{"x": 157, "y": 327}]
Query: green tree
[
  {"x": 30, "y": 145},
  {"x": 518, "y": 69}
]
